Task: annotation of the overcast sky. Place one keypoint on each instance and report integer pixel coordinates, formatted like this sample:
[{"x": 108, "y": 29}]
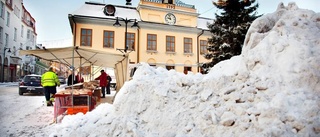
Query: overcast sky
[{"x": 52, "y": 22}]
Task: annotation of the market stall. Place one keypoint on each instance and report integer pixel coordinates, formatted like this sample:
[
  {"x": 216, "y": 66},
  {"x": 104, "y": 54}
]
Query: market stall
[
  {"x": 81, "y": 97},
  {"x": 76, "y": 57},
  {"x": 75, "y": 99}
]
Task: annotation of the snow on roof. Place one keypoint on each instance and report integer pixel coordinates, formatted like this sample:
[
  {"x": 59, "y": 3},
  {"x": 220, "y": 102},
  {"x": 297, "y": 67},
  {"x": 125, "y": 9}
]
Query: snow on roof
[
  {"x": 96, "y": 10},
  {"x": 203, "y": 22},
  {"x": 91, "y": 9}
]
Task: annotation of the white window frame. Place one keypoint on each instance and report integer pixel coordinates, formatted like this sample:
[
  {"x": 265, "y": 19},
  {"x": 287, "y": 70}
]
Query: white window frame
[
  {"x": 16, "y": 11},
  {"x": 15, "y": 34},
  {"x": 6, "y": 40},
  {"x": 22, "y": 29},
  {"x": 28, "y": 34},
  {"x": 8, "y": 19},
  {"x": 2, "y": 10},
  {"x": 1, "y": 34}
]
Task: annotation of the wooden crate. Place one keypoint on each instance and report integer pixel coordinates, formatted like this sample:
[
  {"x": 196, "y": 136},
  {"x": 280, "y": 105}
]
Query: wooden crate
[{"x": 97, "y": 94}]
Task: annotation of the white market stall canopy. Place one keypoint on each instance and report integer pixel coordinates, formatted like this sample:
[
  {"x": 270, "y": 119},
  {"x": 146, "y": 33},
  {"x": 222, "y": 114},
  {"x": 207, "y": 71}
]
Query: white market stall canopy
[{"x": 82, "y": 56}]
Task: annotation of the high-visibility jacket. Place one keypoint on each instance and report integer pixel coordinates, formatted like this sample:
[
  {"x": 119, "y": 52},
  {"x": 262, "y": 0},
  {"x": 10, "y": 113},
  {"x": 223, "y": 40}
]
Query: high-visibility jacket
[{"x": 49, "y": 79}]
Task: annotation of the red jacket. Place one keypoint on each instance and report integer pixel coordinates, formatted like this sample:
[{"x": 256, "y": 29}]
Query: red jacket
[
  {"x": 79, "y": 79},
  {"x": 103, "y": 79}
]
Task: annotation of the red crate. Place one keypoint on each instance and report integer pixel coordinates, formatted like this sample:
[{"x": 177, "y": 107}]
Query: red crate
[{"x": 77, "y": 109}]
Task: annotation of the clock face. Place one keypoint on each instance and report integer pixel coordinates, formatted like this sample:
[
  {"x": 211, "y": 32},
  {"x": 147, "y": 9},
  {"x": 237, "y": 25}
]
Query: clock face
[{"x": 170, "y": 19}]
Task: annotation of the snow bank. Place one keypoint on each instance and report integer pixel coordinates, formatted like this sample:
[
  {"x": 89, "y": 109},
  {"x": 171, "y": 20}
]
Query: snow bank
[{"x": 271, "y": 89}]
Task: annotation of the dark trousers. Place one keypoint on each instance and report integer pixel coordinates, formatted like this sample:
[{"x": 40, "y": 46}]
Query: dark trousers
[
  {"x": 108, "y": 88},
  {"x": 48, "y": 90},
  {"x": 103, "y": 91}
]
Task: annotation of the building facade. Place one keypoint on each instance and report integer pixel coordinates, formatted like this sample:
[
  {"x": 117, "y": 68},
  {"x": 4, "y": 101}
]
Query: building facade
[
  {"x": 162, "y": 33},
  {"x": 17, "y": 32}
]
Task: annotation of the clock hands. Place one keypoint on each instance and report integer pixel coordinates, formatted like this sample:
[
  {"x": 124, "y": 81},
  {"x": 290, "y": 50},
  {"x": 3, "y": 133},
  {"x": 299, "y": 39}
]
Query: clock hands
[{"x": 168, "y": 17}]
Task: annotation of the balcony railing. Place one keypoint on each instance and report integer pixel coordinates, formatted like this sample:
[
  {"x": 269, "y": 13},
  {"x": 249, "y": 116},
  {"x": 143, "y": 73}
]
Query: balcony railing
[
  {"x": 156, "y": 1},
  {"x": 172, "y": 6}
]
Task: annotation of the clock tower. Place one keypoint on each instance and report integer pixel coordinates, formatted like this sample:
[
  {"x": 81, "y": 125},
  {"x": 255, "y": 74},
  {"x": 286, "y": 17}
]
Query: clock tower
[{"x": 169, "y": 12}]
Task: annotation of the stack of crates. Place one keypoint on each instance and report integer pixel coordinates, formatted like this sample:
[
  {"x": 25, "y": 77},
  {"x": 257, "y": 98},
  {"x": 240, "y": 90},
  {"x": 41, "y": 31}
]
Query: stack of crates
[{"x": 80, "y": 105}]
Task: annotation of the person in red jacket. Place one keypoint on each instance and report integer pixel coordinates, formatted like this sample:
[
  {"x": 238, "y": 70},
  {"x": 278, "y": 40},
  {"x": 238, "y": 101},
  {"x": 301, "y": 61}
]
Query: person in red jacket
[
  {"x": 79, "y": 78},
  {"x": 103, "y": 82}
]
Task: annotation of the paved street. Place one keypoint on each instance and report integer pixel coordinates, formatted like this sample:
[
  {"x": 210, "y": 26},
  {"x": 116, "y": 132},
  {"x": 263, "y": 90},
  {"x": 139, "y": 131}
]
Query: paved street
[{"x": 26, "y": 115}]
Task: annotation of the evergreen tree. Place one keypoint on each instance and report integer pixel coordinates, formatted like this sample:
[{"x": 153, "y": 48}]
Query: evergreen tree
[{"x": 229, "y": 29}]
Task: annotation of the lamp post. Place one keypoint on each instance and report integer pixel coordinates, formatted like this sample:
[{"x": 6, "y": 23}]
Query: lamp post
[
  {"x": 126, "y": 21},
  {"x": 4, "y": 56}
]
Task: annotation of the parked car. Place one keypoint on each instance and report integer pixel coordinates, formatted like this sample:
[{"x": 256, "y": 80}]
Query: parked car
[
  {"x": 31, "y": 84},
  {"x": 62, "y": 80}
]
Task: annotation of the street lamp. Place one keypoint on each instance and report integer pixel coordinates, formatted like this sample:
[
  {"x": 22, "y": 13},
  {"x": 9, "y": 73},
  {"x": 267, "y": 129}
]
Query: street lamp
[
  {"x": 4, "y": 56},
  {"x": 126, "y": 21}
]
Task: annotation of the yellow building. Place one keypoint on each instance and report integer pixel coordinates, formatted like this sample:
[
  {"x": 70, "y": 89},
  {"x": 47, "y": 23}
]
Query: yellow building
[{"x": 170, "y": 33}]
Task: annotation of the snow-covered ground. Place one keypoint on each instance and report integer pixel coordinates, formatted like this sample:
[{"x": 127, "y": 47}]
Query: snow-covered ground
[
  {"x": 27, "y": 115},
  {"x": 271, "y": 89},
  {"x": 23, "y": 116}
]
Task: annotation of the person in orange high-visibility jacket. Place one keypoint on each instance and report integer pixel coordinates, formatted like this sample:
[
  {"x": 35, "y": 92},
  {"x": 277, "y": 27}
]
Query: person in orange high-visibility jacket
[{"x": 49, "y": 81}]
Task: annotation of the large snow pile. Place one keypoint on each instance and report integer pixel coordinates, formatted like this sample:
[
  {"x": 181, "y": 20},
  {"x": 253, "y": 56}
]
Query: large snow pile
[{"x": 271, "y": 89}]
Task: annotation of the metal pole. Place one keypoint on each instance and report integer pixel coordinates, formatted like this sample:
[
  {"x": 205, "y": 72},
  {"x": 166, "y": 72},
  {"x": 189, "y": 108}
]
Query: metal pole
[
  {"x": 4, "y": 56},
  {"x": 125, "y": 37}
]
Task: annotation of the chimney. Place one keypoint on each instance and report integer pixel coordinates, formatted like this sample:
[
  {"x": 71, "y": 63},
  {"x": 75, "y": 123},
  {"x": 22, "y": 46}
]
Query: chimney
[{"x": 128, "y": 2}]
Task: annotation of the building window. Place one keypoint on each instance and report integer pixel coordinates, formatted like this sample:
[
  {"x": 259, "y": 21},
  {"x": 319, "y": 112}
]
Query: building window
[
  {"x": 1, "y": 34},
  {"x": 167, "y": 1},
  {"x": 153, "y": 65},
  {"x": 16, "y": 11},
  {"x": 186, "y": 69},
  {"x": 2, "y": 10},
  {"x": 6, "y": 40},
  {"x": 28, "y": 34},
  {"x": 15, "y": 34},
  {"x": 187, "y": 42},
  {"x": 86, "y": 37},
  {"x": 14, "y": 51},
  {"x": 32, "y": 36},
  {"x": 108, "y": 39},
  {"x": 9, "y": 3},
  {"x": 152, "y": 42},
  {"x": 8, "y": 19},
  {"x": 31, "y": 23},
  {"x": 169, "y": 67},
  {"x": 130, "y": 41},
  {"x": 203, "y": 46},
  {"x": 22, "y": 29},
  {"x": 202, "y": 70},
  {"x": 170, "y": 41}
]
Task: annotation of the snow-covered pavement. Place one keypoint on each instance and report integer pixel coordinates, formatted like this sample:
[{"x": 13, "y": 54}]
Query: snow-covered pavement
[{"x": 8, "y": 84}]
